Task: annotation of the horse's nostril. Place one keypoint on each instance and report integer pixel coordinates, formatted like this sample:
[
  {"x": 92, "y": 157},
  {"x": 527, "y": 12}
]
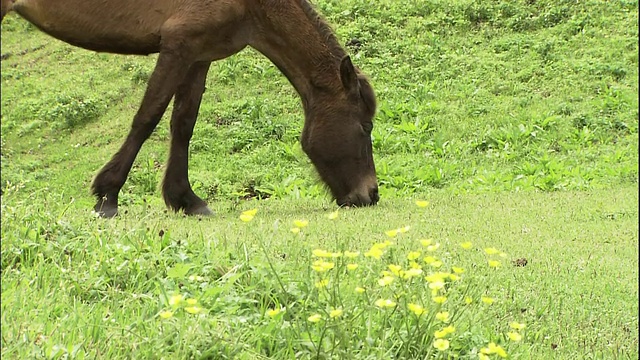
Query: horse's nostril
[{"x": 373, "y": 195}]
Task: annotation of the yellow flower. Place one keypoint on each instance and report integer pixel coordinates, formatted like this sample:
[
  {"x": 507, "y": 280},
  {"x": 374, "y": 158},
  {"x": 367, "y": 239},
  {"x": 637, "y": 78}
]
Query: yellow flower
[
  {"x": 449, "y": 329},
  {"x": 422, "y": 203},
  {"x": 193, "y": 309},
  {"x": 441, "y": 344},
  {"x": 412, "y": 273},
  {"x": 320, "y": 253},
  {"x": 429, "y": 259},
  {"x": 517, "y": 326},
  {"x": 439, "y": 299},
  {"x": 466, "y": 245},
  {"x": 322, "y": 283},
  {"x": 457, "y": 270},
  {"x": 335, "y": 313},
  {"x": 468, "y": 300},
  {"x": 487, "y": 300},
  {"x": 454, "y": 277},
  {"x": 333, "y": 215},
  {"x": 300, "y": 223},
  {"x": 314, "y": 318},
  {"x": 495, "y": 349},
  {"x": 404, "y": 229},
  {"x": 439, "y": 276},
  {"x": 335, "y": 254},
  {"x": 416, "y": 309},
  {"x": 192, "y": 301},
  {"x": 274, "y": 312},
  {"x": 395, "y": 269},
  {"x": 166, "y": 314},
  {"x": 175, "y": 300},
  {"x": 439, "y": 334},
  {"x": 295, "y": 230},
  {"x": 436, "y": 264},
  {"x": 251, "y": 212},
  {"x": 351, "y": 254},
  {"x": 415, "y": 265},
  {"x": 514, "y": 336},
  {"x": 322, "y": 266},
  {"x": 391, "y": 233},
  {"x": 436, "y": 285},
  {"x": 352, "y": 266},
  {"x": 374, "y": 252},
  {"x": 426, "y": 242},
  {"x": 413, "y": 255},
  {"x": 434, "y": 247},
  {"x": 385, "y": 303},
  {"x": 443, "y": 316},
  {"x": 491, "y": 251},
  {"x": 359, "y": 290},
  {"x": 504, "y": 255},
  {"x": 482, "y": 356},
  {"x": 494, "y": 263},
  {"x": 385, "y": 281}
]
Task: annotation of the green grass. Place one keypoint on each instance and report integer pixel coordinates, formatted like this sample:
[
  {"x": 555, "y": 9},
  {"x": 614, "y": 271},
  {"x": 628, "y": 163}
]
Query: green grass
[{"x": 517, "y": 120}]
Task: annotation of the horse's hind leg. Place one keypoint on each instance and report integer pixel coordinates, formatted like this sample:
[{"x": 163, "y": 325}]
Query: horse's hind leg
[
  {"x": 176, "y": 189},
  {"x": 170, "y": 70}
]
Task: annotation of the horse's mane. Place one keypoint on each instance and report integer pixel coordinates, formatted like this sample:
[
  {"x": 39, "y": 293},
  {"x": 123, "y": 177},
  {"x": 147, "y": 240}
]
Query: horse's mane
[{"x": 324, "y": 30}]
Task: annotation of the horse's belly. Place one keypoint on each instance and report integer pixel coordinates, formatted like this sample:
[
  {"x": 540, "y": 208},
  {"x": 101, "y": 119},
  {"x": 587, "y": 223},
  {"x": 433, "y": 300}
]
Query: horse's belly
[{"x": 127, "y": 27}]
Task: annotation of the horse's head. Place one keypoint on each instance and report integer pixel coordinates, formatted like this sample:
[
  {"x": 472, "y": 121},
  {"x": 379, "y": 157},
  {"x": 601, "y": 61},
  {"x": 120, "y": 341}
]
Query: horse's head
[{"x": 337, "y": 139}]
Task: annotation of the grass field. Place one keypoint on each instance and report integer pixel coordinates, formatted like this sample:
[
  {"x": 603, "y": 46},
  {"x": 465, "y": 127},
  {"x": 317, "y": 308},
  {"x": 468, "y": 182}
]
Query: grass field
[{"x": 517, "y": 121}]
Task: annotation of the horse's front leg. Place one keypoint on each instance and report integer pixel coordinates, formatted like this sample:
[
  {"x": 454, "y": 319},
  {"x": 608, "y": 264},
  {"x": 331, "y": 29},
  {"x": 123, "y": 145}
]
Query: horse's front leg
[
  {"x": 176, "y": 188},
  {"x": 169, "y": 72}
]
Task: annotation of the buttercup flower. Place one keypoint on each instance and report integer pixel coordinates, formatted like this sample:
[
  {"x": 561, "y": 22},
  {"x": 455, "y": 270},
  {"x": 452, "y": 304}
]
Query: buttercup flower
[
  {"x": 491, "y": 251},
  {"x": 248, "y": 215},
  {"x": 425, "y": 242},
  {"x": 413, "y": 255},
  {"x": 385, "y": 303},
  {"x": 422, "y": 203},
  {"x": 487, "y": 300},
  {"x": 300, "y": 223},
  {"x": 391, "y": 233},
  {"x": 274, "y": 312},
  {"x": 413, "y": 272},
  {"x": 295, "y": 230},
  {"x": 468, "y": 300},
  {"x": 193, "y": 309},
  {"x": 395, "y": 269},
  {"x": 166, "y": 314},
  {"x": 335, "y": 313},
  {"x": 322, "y": 283},
  {"x": 351, "y": 254},
  {"x": 429, "y": 259},
  {"x": 443, "y": 316},
  {"x": 387, "y": 280},
  {"x": 416, "y": 309},
  {"x": 494, "y": 349},
  {"x": 314, "y": 318},
  {"x": 191, "y": 301},
  {"x": 439, "y": 299},
  {"x": 359, "y": 290},
  {"x": 494, "y": 263},
  {"x": 434, "y": 247},
  {"x": 441, "y": 344},
  {"x": 457, "y": 270},
  {"x": 517, "y": 326},
  {"x": 175, "y": 300},
  {"x": 466, "y": 245},
  {"x": 320, "y": 253},
  {"x": 514, "y": 336},
  {"x": 352, "y": 266},
  {"x": 333, "y": 215}
]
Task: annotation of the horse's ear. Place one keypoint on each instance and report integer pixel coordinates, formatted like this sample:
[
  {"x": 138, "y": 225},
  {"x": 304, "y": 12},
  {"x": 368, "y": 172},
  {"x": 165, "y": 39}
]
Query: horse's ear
[{"x": 348, "y": 74}]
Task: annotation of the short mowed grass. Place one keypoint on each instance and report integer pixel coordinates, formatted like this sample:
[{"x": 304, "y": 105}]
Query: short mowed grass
[{"x": 514, "y": 123}]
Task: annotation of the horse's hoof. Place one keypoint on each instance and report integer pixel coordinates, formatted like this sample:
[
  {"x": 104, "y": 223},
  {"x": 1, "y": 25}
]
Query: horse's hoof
[
  {"x": 105, "y": 211},
  {"x": 201, "y": 211}
]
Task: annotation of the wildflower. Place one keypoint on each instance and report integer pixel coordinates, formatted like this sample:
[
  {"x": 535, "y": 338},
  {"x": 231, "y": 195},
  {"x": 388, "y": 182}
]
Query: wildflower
[
  {"x": 439, "y": 334},
  {"x": 436, "y": 264},
  {"x": 415, "y": 265},
  {"x": 454, "y": 277},
  {"x": 494, "y": 263},
  {"x": 300, "y": 223},
  {"x": 374, "y": 252},
  {"x": 422, "y": 203},
  {"x": 360, "y": 290},
  {"x": 491, "y": 251},
  {"x": 449, "y": 329},
  {"x": 193, "y": 309},
  {"x": 335, "y": 255},
  {"x": 387, "y": 280},
  {"x": 466, "y": 245},
  {"x": 514, "y": 336},
  {"x": 439, "y": 299},
  {"x": 436, "y": 285},
  {"x": 248, "y": 215},
  {"x": 191, "y": 301},
  {"x": 195, "y": 278},
  {"x": 175, "y": 300},
  {"x": 425, "y": 242},
  {"x": 494, "y": 349},
  {"x": 166, "y": 314},
  {"x": 351, "y": 254},
  {"x": 457, "y": 270},
  {"x": 434, "y": 247},
  {"x": 416, "y": 309},
  {"x": 487, "y": 300},
  {"x": 322, "y": 266},
  {"x": 322, "y": 283},
  {"x": 517, "y": 326},
  {"x": 320, "y": 253},
  {"x": 429, "y": 259},
  {"x": 413, "y": 255},
  {"x": 335, "y": 313},
  {"x": 436, "y": 277},
  {"x": 468, "y": 300},
  {"x": 443, "y": 316},
  {"x": 411, "y": 273},
  {"x": 352, "y": 266},
  {"x": 391, "y": 233},
  {"x": 274, "y": 312},
  {"x": 314, "y": 318},
  {"x": 333, "y": 215},
  {"x": 385, "y": 303},
  {"x": 441, "y": 344},
  {"x": 295, "y": 230},
  {"x": 482, "y": 356},
  {"x": 404, "y": 229},
  {"x": 395, "y": 269}
]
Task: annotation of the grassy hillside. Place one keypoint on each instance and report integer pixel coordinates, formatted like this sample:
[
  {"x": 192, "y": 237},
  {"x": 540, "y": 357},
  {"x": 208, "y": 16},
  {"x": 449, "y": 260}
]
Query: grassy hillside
[{"x": 516, "y": 120}]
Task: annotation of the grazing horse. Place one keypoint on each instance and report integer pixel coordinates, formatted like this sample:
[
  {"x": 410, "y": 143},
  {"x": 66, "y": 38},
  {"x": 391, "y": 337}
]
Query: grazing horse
[{"x": 338, "y": 101}]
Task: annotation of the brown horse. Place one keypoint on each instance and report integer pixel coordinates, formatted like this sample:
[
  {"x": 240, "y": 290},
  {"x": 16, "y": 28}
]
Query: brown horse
[{"x": 339, "y": 104}]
